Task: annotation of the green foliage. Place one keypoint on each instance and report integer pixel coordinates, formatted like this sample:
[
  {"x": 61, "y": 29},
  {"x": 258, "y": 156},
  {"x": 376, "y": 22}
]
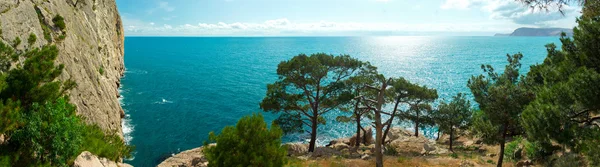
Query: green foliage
[
  {"x": 389, "y": 150},
  {"x": 10, "y": 114},
  {"x": 513, "y": 149},
  {"x": 416, "y": 99},
  {"x": 101, "y": 70},
  {"x": 35, "y": 115},
  {"x": 35, "y": 81},
  {"x": 32, "y": 38},
  {"x": 454, "y": 155},
  {"x": 567, "y": 106},
  {"x": 52, "y": 134},
  {"x": 502, "y": 99},
  {"x": 568, "y": 160},
  {"x": 59, "y": 22},
  {"x": 453, "y": 115},
  {"x": 16, "y": 42},
  {"x": 308, "y": 87},
  {"x": 108, "y": 145},
  {"x": 249, "y": 143},
  {"x": 43, "y": 24}
]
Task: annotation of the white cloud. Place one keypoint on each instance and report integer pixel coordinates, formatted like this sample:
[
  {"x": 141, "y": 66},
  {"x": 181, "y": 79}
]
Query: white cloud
[
  {"x": 152, "y": 23},
  {"x": 284, "y": 26},
  {"x": 462, "y": 4},
  {"x": 515, "y": 11}
]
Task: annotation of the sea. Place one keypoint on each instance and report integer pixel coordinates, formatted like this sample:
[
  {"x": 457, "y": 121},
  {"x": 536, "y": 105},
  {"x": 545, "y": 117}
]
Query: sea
[{"x": 178, "y": 89}]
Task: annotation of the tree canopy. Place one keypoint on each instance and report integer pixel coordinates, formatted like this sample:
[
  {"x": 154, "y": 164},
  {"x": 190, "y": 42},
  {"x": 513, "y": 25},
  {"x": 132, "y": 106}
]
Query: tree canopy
[{"x": 307, "y": 88}]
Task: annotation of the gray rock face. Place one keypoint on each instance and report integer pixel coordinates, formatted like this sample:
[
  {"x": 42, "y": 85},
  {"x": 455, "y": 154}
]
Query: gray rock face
[{"x": 92, "y": 49}]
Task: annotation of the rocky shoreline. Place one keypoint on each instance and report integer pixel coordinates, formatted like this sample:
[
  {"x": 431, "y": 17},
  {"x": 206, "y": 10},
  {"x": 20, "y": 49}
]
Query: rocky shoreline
[{"x": 401, "y": 142}]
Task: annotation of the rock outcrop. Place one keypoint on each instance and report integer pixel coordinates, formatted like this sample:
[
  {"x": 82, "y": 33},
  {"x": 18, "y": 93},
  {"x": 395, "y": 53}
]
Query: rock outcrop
[
  {"x": 87, "y": 159},
  {"x": 90, "y": 47},
  {"x": 189, "y": 158},
  {"x": 404, "y": 142}
]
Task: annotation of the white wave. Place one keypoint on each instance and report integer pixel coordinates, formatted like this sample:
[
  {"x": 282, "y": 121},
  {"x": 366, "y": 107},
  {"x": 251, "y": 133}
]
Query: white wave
[
  {"x": 126, "y": 125},
  {"x": 163, "y": 101}
]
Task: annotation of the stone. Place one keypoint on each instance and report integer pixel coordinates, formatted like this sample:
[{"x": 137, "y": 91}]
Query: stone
[
  {"x": 189, "y": 158},
  {"x": 296, "y": 149},
  {"x": 2, "y": 139},
  {"x": 340, "y": 146},
  {"x": 338, "y": 141},
  {"x": 524, "y": 163},
  {"x": 87, "y": 159},
  {"x": 365, "y": 157}
]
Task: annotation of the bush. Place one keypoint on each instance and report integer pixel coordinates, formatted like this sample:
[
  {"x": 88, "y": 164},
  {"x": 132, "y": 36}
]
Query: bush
[
  {"x": 249, "y": 143},
  {"x": 513, "y": 149},
  {"x": 32, "y": 38},
  {"x": 16, "y": 42},
  {"x": 52, "y": 134},
  {"x": 59, "y": 22}
]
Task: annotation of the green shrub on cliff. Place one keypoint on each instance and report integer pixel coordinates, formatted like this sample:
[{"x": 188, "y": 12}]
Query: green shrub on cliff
[
  {"x": 35, "y": 116},
  {"x": 249, "y": 143}
]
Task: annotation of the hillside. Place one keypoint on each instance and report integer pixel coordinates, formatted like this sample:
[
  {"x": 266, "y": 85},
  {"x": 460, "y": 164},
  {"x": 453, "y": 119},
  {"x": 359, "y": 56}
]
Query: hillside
[{"x": 538, "y": 32}]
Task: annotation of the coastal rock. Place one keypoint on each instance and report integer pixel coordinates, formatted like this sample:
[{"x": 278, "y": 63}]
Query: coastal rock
[
  {"x": 189, "y": 158},
  {"x": 404, "y": 142},
  {"x": 87, "y": 159},
  {"x": 296, "y": 149},
  {"x": 366, "y": 137},
  {"x": 338, "y": 141},
  {"x": 340, "y": 146},
  {"x": 93, "y": 40}
]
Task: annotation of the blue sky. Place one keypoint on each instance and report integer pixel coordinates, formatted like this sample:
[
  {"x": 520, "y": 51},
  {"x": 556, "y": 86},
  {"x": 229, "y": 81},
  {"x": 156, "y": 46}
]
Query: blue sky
[{"x": 333, "y": 17}]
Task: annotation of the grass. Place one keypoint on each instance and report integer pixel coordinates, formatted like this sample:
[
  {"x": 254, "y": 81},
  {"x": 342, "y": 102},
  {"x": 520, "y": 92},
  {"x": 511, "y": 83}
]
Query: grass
[
  {"x": 101, "y": 70},
  {"x": 32, "y": 38}
]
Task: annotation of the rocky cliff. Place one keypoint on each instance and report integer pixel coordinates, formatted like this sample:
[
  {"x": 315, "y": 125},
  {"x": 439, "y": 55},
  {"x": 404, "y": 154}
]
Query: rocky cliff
[{"x": 90, "y": 47}]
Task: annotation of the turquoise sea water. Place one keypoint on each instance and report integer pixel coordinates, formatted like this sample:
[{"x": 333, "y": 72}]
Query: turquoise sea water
[{"x": 178, "y": 89}]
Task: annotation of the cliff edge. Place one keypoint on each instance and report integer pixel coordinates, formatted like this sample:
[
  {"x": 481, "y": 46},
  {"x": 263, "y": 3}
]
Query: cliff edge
[{"x": 90, "y": 47}]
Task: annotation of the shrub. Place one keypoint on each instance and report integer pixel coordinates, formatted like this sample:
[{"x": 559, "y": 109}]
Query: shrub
[
  {"x": 59, "y": 22},
  {"x": 454, "y": 155},
  {"x": 389, "y": 150},
  {"x": 32, "y": 38},
  {"x": 16, "y": 42},
  {"x": 101, "y": 70},
  {"x": 52, "y": 134},
  {"x": 249, "y": 143},
  {"x": 513, "y": 149}
]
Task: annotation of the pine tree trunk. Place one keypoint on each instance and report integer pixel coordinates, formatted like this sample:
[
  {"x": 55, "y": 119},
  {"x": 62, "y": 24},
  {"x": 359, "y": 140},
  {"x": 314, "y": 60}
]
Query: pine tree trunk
[
  {"x": 358, "y": 137},
  {"x": 417, "y": 125},
  {"x": 379, "y": 126},
  {"x": 501, "y": 157},
  {"x": 387, "y": 130},
  {"x": 313, "y": 136},
  {"x": 451, "y": 137}
]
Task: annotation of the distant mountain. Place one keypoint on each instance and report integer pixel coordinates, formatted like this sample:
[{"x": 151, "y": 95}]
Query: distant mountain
[{"x": 538, "y": 32}]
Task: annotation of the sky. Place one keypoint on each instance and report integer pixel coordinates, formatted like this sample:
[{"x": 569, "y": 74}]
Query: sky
[{"x": 334, "y": 17}]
